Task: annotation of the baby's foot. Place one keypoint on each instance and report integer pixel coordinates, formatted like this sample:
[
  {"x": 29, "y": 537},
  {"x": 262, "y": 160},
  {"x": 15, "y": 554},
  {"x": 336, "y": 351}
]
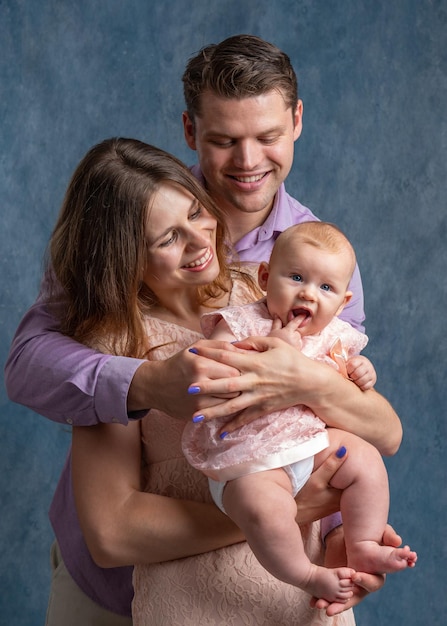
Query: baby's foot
[
  {"x": 368, "y": 556},
  {"x": 332, "y": 585}
]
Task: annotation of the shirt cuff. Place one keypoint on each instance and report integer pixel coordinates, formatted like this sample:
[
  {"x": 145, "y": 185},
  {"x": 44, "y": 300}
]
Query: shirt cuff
[
  {"x": 328, "y": 524},
  {"x": 112, "y": 388}
]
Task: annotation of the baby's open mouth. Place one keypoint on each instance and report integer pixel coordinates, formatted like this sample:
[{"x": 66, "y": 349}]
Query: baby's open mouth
[{"x": 301, "y": 311}]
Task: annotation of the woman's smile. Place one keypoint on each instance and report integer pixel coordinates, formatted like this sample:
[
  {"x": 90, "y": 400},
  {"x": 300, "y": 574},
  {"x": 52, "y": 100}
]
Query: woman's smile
[{"x": 201, "y": 263}]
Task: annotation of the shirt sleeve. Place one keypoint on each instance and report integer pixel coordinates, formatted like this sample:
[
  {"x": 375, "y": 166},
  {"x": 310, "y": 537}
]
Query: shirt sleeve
[
  {"x": 64, "y": 380},
  {"x": 328, "y": 524}
]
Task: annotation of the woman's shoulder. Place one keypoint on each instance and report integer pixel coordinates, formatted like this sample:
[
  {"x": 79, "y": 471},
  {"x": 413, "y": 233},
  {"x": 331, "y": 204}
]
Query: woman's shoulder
[{"x": 245, "y": 288}]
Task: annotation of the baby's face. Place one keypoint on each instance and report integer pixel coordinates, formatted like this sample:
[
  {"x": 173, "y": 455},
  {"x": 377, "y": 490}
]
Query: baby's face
[{"x": 308, "y": 282}]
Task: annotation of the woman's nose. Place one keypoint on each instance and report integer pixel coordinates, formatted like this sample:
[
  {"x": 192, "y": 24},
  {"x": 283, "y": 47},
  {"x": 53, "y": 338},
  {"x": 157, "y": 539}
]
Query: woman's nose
[{"x": 198, "y": 238}]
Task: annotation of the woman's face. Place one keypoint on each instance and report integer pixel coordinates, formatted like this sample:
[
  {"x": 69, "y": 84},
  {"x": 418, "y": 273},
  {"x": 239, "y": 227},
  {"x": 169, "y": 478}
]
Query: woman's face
[{"x": 181, "y": 238}]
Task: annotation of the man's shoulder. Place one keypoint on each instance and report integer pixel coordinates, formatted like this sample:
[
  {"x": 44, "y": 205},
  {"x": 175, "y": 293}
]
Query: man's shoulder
[{"x": 298, "y": 211}]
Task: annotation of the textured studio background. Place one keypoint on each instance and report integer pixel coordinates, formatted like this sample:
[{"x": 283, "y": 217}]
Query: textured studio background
[{"x": 372, "y": 158}]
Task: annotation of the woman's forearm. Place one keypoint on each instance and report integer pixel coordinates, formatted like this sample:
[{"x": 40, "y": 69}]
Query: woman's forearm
[{"x": 341, "y": 404}]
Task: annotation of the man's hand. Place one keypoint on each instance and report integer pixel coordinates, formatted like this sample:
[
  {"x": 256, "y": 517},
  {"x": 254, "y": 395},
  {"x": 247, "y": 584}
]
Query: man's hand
[{"x": 364, "y": 583}]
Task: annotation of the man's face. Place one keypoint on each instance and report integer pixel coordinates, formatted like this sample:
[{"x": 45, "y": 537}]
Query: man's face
[{"x": 245, "y": 149}]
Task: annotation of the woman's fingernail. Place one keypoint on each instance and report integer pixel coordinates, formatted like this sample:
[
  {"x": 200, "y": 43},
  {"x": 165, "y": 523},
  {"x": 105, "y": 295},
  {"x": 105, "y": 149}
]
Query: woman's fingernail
[
  {"x": 193, "y": 389},
  {"x": 223, "y": 435},
  {"x": 198, "y": 418},
  {"x": 340, "y": 452},
  {"x": 193, "y": 350}
]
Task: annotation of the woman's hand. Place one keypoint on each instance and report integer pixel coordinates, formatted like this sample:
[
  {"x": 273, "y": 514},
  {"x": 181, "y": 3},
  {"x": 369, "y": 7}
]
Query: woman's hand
[
  {"x": 274, "y": 376},
  {"x": 317, "y": 499},
  {"x": 163, "y": 385}
]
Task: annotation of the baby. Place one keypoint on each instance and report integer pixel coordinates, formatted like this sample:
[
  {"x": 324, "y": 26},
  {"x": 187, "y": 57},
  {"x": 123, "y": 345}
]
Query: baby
[{"x": 256, "y": 471}]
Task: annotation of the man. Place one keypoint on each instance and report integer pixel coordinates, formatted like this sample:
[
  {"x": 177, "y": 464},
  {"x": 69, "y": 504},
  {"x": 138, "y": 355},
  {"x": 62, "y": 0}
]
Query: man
[{"x": 243, "y": 116}]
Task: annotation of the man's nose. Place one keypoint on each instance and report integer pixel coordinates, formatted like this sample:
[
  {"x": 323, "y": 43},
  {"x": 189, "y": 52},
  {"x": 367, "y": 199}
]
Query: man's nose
[{"x": 246, "y": 155}]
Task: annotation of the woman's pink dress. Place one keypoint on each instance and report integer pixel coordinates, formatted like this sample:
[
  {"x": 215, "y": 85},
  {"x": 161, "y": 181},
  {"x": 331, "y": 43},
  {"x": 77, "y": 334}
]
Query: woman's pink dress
[
  {"x": 226, "y": 587},
  {"x": 277, "y": 439}
]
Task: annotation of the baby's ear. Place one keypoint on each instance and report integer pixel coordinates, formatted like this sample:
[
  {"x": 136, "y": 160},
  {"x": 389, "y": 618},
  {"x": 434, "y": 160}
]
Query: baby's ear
[
  {"x": 263, "y": 275},
  {"x": 347, "y": 299}
]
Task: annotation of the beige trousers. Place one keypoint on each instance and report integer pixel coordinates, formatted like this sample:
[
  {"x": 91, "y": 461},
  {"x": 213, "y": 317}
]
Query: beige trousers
[{"x": 69, "y": 606}]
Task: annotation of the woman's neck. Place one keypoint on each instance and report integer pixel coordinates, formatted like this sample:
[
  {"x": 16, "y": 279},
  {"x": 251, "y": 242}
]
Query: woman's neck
[{"x": 186, "y": 310}]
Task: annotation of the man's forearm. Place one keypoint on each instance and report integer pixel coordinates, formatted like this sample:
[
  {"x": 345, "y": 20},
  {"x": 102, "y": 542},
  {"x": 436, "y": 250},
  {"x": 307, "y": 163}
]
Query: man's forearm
[
  {"x": 123, "y": 525},
  {"x": 62, "y": 379}
]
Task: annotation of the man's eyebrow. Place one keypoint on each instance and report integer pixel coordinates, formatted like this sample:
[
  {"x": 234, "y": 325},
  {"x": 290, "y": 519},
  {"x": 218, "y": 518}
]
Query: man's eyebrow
[{"x": 268, "y": 131}]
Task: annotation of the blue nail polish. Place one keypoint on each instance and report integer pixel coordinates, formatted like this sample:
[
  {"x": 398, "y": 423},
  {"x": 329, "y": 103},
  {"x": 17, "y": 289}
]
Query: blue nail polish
[
  {"x": 223, "y": 435},
  {"x": 193, "y": 350},
  {"x": 193, "y": 389},
  {"x": 340, "y": 452},
  {"x": 198, "y": 418}
]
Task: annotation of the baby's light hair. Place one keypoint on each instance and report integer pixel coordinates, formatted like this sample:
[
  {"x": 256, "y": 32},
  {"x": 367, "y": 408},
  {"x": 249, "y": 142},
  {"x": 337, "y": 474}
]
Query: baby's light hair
[{"x": 322, "y": 235}]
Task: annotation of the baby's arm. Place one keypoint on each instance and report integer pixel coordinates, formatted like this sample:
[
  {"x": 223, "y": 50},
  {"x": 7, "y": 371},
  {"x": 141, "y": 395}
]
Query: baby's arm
[
  {"x": 361, "y": 371},
  {"x": 222, "y": 332}
]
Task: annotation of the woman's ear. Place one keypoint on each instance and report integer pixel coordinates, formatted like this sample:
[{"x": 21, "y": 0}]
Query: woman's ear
[{"x": 263, "y": 275}]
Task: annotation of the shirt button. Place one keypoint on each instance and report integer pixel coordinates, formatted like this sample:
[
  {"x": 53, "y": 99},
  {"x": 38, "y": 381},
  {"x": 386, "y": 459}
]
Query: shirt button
[
  {"x": 69, "y": 421},
  {"x": 115, "y": 420}
]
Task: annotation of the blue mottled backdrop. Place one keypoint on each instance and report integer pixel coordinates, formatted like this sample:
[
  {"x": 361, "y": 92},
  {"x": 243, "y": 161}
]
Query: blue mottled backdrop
[{"x": 372, "y": 158}]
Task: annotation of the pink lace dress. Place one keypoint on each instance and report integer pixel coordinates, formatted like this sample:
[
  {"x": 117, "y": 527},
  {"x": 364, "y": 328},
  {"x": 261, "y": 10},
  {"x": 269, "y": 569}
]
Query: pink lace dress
[
  {"x": 277, "y": 439},
  {"x": 226, "y": 587}
]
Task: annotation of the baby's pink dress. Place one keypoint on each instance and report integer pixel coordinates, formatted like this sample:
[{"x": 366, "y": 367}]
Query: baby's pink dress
[
  {"x": 277, "y": 439},
  {"x": 223, "y": 587}
]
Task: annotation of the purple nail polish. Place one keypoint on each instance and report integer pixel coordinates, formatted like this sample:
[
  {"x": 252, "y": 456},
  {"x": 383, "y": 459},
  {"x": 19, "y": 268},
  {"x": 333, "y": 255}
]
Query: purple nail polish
[
  {"x": 340, "y": 452},
  {"x": 223, "y": 435},
  {"x": 198, "y": 418},
  {"x": 193, "y": 389},
  {"x": 193, "y": 350}
]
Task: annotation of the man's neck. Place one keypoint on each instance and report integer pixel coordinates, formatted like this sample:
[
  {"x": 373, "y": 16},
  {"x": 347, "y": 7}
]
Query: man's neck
[{"x": 240, "y": 224}]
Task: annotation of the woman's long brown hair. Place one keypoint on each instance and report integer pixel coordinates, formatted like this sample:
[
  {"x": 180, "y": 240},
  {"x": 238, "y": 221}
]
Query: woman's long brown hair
[{"x": 98, "y": 249}]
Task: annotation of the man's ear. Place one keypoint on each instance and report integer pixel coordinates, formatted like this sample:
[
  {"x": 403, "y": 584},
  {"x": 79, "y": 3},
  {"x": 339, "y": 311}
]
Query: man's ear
[
  {"x": 188, "y": 130},
  {"x": 263, "y": 275},
  {"x": 347, "y": 299},
  {"x": 298, "y": 120}
]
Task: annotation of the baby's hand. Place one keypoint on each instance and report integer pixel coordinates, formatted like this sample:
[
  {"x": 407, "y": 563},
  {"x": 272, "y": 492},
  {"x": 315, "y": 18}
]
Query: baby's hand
[
  {"x": 289, "y": 333},
  {"x": 361, "y": 371}
]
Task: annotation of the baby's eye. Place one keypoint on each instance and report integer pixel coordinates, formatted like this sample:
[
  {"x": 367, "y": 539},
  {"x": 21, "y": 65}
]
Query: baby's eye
[
  {"x": 326, "y": 287},
  {"x": 297, "y": 278}
]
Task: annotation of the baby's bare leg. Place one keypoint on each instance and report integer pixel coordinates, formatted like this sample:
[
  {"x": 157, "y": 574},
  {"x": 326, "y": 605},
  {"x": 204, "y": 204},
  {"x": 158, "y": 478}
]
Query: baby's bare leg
[
  {"x": 262, "y": 505},
  {"x": 364, "y": 506}
]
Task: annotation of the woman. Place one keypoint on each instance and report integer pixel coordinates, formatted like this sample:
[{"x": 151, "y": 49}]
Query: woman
[{"x": 139, "y": 251}]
